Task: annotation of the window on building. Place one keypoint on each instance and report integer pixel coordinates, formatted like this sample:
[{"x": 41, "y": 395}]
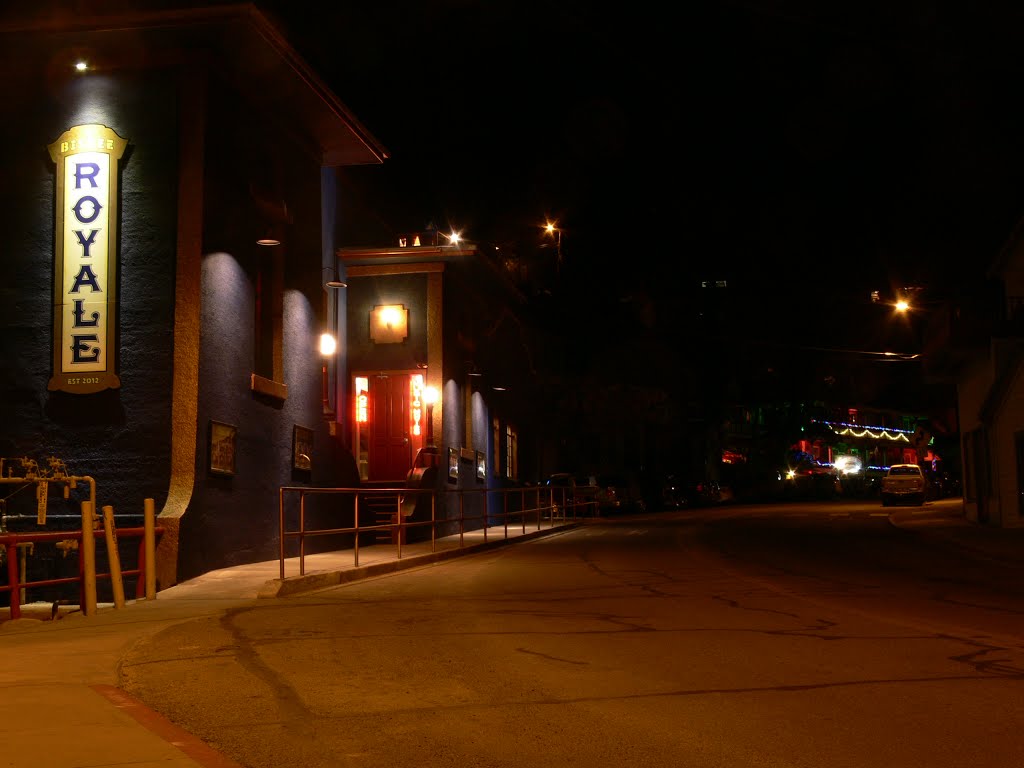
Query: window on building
[
  {"x": 511, "y": 453},
  {"x": 268, "y": 222},
  {"x": 268, "y": 321}
]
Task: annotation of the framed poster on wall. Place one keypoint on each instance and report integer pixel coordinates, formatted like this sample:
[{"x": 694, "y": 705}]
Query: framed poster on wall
[
  {"x": 302, "y": 448},
  {"x": 481, "y": 466},
  {"x": 453, "y": 465},
  {"x": 221, "y": 446}
]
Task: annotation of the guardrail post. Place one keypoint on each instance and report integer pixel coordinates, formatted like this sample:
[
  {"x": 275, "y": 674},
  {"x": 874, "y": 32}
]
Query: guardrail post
[
  {"x": 113, "y": 556},
  {"x": 149, "y": 536},
  {"x": 88, "y": 558},
  {"x": 487, "y": 512},
  {"x": 355, "y": 539},
  {"x": 462, "y": 515},
  {"x": 398, "y": 531},
  {"x": 12, "y": 577},
  {"x": 24, "y": 549},
  {"x": 302, "y": 533}
]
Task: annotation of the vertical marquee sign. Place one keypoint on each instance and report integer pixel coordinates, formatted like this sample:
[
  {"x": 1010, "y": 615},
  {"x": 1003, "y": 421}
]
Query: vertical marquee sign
[{"x": 85, "y": 255}]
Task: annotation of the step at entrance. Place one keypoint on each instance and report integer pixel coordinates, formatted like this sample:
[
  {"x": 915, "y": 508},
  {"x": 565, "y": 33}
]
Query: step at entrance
[{"x": 381, "y": 508}]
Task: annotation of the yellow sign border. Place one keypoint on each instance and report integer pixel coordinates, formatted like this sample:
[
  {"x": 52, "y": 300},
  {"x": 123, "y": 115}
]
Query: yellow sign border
[{"x": 76, "y": 140}]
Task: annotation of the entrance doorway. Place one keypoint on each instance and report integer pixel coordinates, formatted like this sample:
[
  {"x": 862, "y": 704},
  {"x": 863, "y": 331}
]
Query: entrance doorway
[{"x": 389, "y": 424}]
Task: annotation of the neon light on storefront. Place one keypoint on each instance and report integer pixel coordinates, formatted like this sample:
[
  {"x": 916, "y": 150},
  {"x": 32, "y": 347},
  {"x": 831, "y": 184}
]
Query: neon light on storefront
[
  {"x": 416, "y": 390},
  {"x": 858, "y": 430},
  {"x": 883, "y": 435},
  {"x": 362, "y": 387}
]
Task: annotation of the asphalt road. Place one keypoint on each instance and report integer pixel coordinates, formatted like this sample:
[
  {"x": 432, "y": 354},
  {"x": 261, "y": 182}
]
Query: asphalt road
[{"x": 736, "y": 636}]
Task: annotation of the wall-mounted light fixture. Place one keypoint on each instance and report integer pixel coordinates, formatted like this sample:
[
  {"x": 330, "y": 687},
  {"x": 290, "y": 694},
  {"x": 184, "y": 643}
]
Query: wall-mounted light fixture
[
  {"x": 328, "y": 346},
  {"x": 268, "y": 237},
  {"x": 552, "y": 228},
  {"x": 430, "y": 397},
  {"x": 328, "y": 340},
  {"x": 389, "y": 324}
]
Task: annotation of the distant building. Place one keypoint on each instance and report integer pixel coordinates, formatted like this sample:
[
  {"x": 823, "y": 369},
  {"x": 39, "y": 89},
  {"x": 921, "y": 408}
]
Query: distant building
[{"x": 977, "y": 340}]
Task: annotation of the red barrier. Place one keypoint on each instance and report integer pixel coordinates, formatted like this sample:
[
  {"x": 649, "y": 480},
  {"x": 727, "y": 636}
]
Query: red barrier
[{"x": 10, "y": 543}]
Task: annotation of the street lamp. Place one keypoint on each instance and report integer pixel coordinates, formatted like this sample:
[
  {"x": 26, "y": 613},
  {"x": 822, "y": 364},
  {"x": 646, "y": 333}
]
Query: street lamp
[
  {"x": 328, "y": 346},
  {"x": 328, "y": 341},
  {"x": 430, "y": 397},
  {"x": 551, "y": 228}
]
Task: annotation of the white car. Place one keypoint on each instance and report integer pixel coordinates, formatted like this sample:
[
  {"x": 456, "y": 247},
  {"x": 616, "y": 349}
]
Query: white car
[{"x": 903, "y": 482}]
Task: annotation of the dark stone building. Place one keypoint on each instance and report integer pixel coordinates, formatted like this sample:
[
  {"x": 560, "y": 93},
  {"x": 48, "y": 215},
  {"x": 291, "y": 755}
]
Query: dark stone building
[{"x": 146, "y": 155}]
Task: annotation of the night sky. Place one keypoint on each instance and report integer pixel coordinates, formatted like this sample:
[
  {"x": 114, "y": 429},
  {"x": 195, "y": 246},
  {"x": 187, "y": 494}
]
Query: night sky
[
  {"x": 807, "y": 153},
  {"x": 786, "y": 146},
  {"x": 794, "y": 147}
]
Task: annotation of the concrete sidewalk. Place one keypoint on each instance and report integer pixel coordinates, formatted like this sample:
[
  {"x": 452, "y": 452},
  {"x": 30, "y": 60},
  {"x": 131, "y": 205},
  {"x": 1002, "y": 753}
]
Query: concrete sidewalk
[{"x": 61, "y": 707}]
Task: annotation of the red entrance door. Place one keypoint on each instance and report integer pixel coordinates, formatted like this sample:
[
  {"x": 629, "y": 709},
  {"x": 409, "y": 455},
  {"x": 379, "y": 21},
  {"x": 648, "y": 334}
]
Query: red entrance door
[{"x": 390, "y": 447}]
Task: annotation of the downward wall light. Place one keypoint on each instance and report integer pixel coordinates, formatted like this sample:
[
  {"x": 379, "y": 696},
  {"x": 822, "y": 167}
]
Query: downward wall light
[
  {"x": 389, "y": 324},
  {"x": 328, "y": 346}
]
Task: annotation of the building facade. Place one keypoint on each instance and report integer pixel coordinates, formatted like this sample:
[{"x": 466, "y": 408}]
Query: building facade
[
  {"x": 441, "y": 319},
  {"x": 978, "y": 341},
  {"x": 170, "y": 219}
]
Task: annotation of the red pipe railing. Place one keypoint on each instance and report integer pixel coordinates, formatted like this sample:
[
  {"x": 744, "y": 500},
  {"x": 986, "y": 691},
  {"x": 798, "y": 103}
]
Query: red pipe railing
[{"x": 10, "y": 541}]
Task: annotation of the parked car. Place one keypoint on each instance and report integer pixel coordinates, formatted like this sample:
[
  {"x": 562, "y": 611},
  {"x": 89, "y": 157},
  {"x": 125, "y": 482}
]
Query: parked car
[
  {"x": 942, "y": 485},
  {"x": 680, "y": 491},
  {"x": 619, "y": 493},
  {"x": 903, "y": 482},
  {"x": 574, "y": 491},
  {"x": 810, "y": 479},
  {"x": 752, "y": 482}
]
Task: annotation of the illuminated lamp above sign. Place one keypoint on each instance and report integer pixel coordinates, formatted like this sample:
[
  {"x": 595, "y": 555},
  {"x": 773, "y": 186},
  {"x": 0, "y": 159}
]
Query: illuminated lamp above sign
[
  {"x": 85, "y": 254},
  {"x": 389, "y": 324}
]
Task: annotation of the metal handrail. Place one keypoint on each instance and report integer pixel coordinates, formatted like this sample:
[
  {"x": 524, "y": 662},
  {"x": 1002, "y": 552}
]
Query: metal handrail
[{"x": 544, "y": 502}]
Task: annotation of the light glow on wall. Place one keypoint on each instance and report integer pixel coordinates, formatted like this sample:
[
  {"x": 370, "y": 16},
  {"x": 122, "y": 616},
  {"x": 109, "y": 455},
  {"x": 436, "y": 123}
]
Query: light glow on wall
[{"x": 389, "y": 324}]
